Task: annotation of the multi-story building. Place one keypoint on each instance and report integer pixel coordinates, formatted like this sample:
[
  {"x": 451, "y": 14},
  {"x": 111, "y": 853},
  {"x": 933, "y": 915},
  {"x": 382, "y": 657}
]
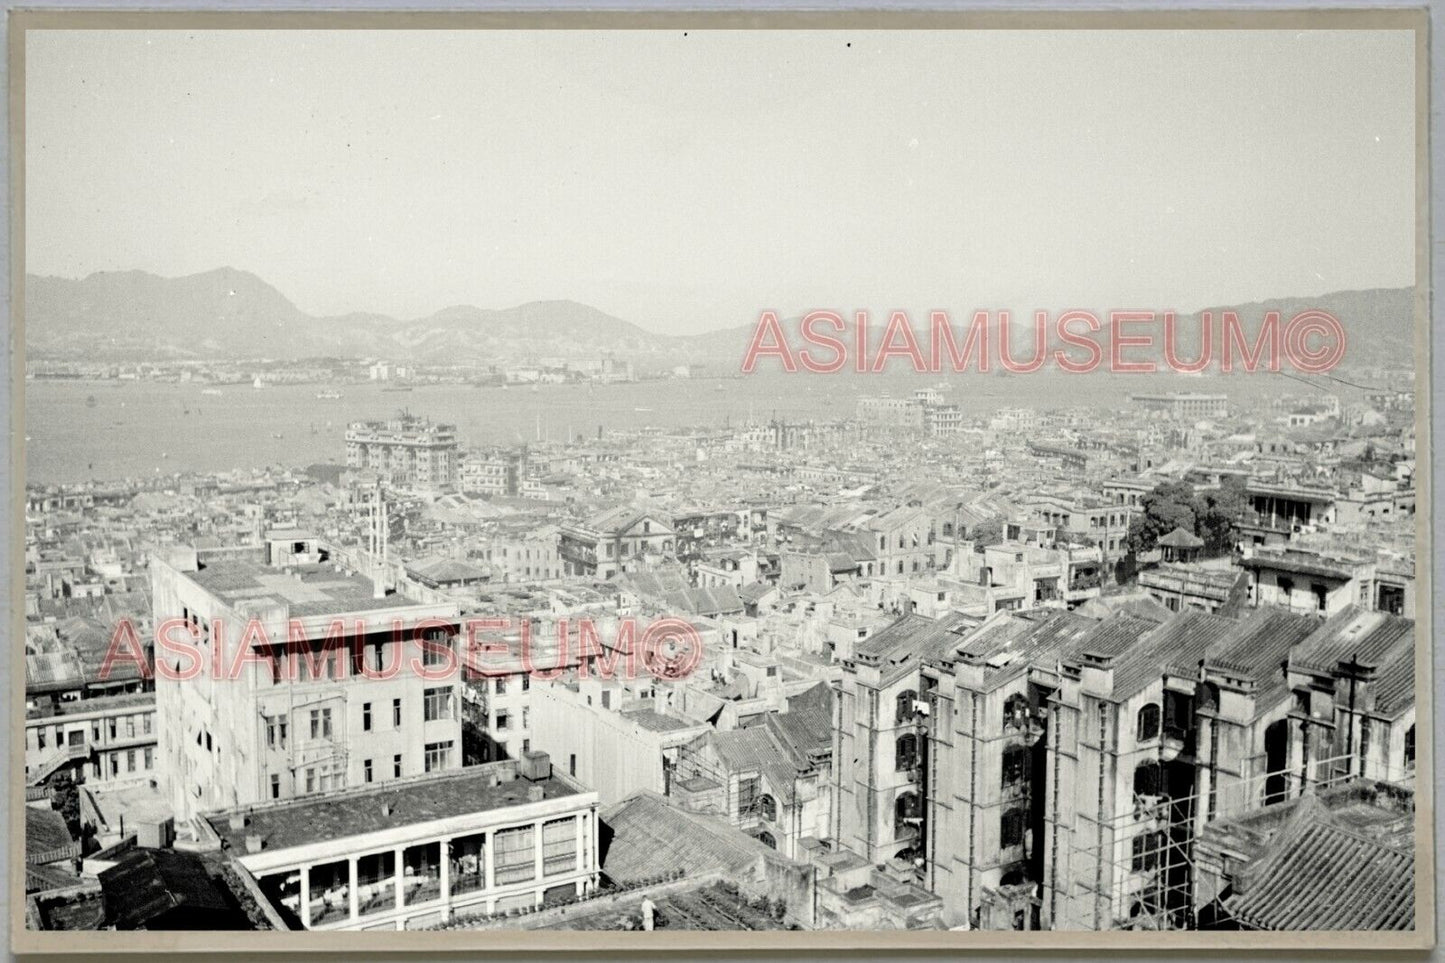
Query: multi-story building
[
  {"x": 285, "y": 681},
  {"x": 772, "y": 779},
  {"x": 617, "y": 540},
  {"x": 1049, "y": 770},
  {"x": 420, "y": 850},
  {"x": 110, "y": 739},
  {"x": 1184, "y": 406},
  {"x": 406, "y": 452}
]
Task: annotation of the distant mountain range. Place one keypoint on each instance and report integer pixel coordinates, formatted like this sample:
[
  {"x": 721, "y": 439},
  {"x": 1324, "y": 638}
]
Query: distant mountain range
[{"x": 231, "y": 315}]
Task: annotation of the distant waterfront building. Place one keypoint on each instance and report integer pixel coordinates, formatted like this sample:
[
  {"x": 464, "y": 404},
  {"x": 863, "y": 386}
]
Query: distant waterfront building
[
  {"x": 407, "y": 452},
  {"x": 292, "y": 719},
  {"x": 1184, "y": 405}
]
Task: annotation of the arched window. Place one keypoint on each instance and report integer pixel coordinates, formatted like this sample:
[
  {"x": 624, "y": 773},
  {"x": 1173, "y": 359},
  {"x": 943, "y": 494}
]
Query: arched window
[
  {"x": 904, "y": 707},
  {"x": 1015, "y": 711},
  {"x": 1148, "y": 779},
  {"x": 767, "y": 840},
  {"x": 1149, "y": 722},
  {"x": 906, "y": 752},
  {"x": 768, "y": 807},
  {"x": 905, "y": 807}
]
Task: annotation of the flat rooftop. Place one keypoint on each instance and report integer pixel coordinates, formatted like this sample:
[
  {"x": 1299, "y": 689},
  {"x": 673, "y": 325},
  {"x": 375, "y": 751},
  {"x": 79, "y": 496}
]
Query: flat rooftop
[
  {"x": 306, "y": 590},
  {"x": 386, "y": 805}
]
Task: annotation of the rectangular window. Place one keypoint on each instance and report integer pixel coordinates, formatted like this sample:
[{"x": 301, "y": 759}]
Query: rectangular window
[
  {"x": 438, "y": 755},
  {"x": 501, "y": 687},
  {"x": 572, "y": 764},
  {"x": 526, "y": 682},
  {"x": 514, "y": 855},
  {"x": 748, "y": 791},
  {"x": 396, "y": 712},
  {"x": 275, "y": 786},
  {"x": 130, "y": 727},
  {"x": 315, "y": 723},
  {"x": 366, "y": 717},
  {"x": 326, "y": 723},
  {"x": 437, "y": 704},
  {"x": 1011, "y": 828},
  {"x": 130, "y": 760},
  {"x": 396, "y": 766},
  {"x": 310, "y": 780},
  {"x": 150, "y": 758},
  {"x": 366, "y": 770},
  {"x": 559, "y": 846},
  {"x": 504, "y": 721},
  {"x": 434, "y": 652}
]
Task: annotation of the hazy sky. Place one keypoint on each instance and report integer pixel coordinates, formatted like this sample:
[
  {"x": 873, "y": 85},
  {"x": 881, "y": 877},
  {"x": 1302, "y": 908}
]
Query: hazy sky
[{"x": 687, "y": 182}]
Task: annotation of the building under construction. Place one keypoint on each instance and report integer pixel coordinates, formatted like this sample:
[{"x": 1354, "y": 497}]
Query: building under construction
[{"x": 1043, "y": 769}]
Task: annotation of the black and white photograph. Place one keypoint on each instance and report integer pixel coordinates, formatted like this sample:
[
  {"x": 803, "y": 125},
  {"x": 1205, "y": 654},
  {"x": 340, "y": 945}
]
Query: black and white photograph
[{"x": 635, "y": 484}]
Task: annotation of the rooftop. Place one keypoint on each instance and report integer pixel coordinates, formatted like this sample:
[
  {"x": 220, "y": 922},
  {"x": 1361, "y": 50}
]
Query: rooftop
[
  {"x": 306, "y": 590},
  {"x": 388, "y": 805}
]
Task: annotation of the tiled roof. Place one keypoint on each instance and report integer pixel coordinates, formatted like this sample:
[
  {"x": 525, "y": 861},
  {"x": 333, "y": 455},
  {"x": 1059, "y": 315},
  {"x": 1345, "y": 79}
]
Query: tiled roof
[
  {"x": 147, "y": 883},
  {"x": 1371, "y": 637},
  {"x": 912, "y": 637},
  {"x": 1316, "y": 875},
  {"x": 652, "y": 837},
  {"x": 1258, "y": 650},
  {"x": 1395, "y": 685},
  {"x": 1179, "y": 538},
  {"x": 1179, "y": 644}
]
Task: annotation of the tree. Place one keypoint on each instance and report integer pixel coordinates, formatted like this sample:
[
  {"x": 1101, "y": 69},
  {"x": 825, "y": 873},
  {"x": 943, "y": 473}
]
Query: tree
[
  {"x": 1218, "y": 512},
  {"x": 1169, "y": 506}
]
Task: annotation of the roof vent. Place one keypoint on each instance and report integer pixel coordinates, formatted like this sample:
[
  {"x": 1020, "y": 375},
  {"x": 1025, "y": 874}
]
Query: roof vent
[{"x": 386, "y": 809}]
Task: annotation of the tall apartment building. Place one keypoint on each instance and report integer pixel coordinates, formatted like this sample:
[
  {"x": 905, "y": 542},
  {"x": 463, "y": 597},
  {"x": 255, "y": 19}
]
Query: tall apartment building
[
  {"x": 271, "y": 713},
  {"x": 406, "y": 451},
  {"x": 1049, "y": 770}
]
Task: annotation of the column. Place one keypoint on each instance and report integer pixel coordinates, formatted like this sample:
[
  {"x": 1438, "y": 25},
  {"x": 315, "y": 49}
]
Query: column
[
  {"x": 581, "y": 842},
  {"x": 445, "y": 850},
  {"x": 489, "y": 867},
  {"x": 354, "y": 876},
  {"x": 306, "y": 897},
  {"x": 399, "y": 874},
  {"x": 537, "y": 865}
]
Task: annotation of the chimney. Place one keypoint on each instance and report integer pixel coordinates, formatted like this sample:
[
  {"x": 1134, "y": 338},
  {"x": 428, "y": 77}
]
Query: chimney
[
  {"x": 536, "y": 793},
  {"x": 386, "y": 809},
  {"x": 238, "y": 821},
  {"x": 253, "y": 842}
]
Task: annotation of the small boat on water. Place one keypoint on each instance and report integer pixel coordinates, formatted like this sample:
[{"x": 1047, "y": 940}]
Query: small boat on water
[
  {"x": 328, "y": 395},
  {"x": 641, "y": 409},
  {"x": 214, "y": 392},
  {"x": 398, "y": 388}
]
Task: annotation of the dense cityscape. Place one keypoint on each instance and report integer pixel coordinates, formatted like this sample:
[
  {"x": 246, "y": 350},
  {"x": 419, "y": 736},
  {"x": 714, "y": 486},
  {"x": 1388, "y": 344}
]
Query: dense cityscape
[{"x": 1148, "y": 667}]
